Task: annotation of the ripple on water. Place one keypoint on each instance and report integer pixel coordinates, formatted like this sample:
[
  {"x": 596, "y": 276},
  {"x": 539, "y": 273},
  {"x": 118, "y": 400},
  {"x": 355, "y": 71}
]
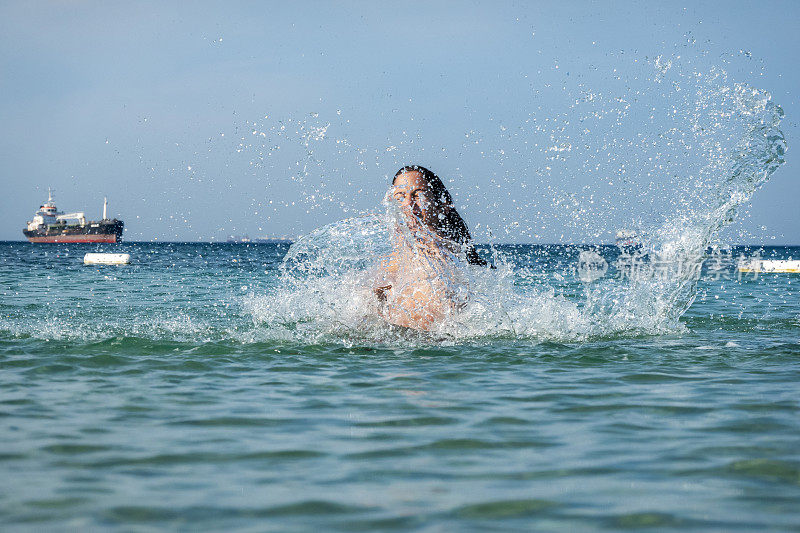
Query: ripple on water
[
  {"x": 410, "y": 422},
  {"x": 777, "y": 471},
  {"x": 131, "y": 514},
  {"x": 502, "y": 509}
]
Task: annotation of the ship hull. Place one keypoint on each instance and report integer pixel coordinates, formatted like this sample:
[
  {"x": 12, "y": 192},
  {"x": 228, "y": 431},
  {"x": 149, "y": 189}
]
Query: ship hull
[
  {"x": 110, "y": 232},
  {"x": 75, "y": 238}
]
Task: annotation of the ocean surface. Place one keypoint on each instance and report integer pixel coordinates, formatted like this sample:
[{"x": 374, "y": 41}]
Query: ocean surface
[{"x": 217, "y": 387}]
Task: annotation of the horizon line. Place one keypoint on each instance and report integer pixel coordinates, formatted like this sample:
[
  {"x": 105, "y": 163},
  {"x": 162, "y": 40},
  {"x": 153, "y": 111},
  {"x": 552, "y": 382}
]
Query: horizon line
[{"x": 4, "y": 241}]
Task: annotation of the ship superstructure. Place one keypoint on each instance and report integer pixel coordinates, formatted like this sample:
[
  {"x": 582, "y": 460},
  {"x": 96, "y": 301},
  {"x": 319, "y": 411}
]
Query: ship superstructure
[{"x": 50, "y": 225}]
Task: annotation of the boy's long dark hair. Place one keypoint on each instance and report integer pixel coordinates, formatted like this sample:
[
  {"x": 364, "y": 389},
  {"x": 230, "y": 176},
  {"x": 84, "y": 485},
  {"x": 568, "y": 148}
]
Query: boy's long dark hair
[{"x": 450, "y": 225}]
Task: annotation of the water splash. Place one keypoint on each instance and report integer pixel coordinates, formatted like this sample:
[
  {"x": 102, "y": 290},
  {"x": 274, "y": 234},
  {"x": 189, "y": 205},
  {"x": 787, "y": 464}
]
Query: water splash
[
  {"x": 729, "y": 136},
  {"x": 738, "y": 128}
]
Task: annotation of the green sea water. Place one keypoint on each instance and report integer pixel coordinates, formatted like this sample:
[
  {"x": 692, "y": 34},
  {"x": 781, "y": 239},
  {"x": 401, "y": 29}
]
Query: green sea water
[{"x": 186, "y": 392}]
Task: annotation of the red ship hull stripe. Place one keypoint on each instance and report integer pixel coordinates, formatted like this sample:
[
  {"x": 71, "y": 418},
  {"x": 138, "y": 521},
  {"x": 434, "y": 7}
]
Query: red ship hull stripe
[{"x": 75, "y": 238}]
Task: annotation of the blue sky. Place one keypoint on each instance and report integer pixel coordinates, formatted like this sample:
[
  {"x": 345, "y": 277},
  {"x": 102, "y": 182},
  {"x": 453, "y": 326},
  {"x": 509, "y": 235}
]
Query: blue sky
[{"x": 200, "y": 120}]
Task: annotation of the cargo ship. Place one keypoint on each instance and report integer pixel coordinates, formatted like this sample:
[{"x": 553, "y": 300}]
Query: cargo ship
[{"x": 50, "y": 225}]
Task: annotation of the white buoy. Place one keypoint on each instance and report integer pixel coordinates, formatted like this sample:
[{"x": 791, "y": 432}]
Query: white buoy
[
  {"x": 106, "y": 259},
  {"x": 770, "y": 265}
]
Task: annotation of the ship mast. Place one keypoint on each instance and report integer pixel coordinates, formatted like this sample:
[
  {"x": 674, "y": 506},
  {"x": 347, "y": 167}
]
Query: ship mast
[{"x": 105, "y": 208}]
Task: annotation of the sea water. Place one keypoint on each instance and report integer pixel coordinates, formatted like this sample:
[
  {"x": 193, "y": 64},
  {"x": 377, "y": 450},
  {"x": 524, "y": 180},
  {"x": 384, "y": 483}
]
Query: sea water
[
  {"x": 173, "y": 393},
  {"x": 255, "y": 387}
]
